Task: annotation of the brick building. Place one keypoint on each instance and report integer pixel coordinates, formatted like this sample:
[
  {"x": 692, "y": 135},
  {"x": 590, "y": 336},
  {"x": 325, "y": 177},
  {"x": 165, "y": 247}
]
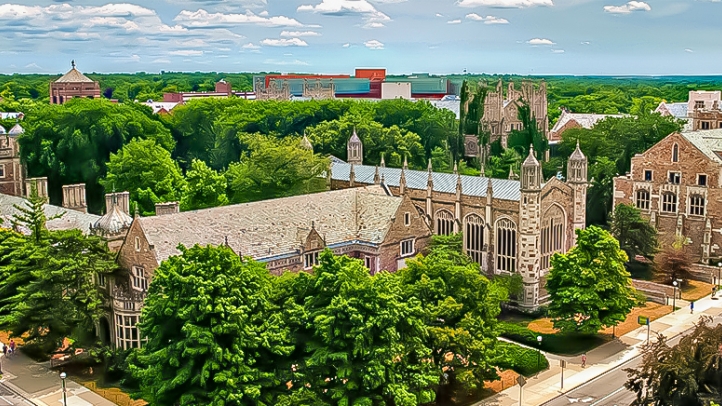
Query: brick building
[
  {"x": 73, "y": 84},
  {"x": 677, "y": 184},
  {"x": 509, "y": 226},
  {"x": 12, "y": 172}
]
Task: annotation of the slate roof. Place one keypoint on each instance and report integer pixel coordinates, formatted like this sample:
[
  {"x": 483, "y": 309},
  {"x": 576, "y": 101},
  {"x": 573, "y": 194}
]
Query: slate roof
[
  {"x": 277, "y": 227},
  {"x": 74, "y": 76},
  {"x": 452, "y": 105},
  {"x": 72, "y": 219},
  {"x": 2, "y": 130},
  {"x": 585, "y": 120},
  {"x": 16, "y": 130},
  {"x": 678, "y": 110},
  {"x": 443, "y": 182},
  {"x": 158, "y": 106},
  {"x": 11, "y": 116},
  {"x": 707, "y": 141}
]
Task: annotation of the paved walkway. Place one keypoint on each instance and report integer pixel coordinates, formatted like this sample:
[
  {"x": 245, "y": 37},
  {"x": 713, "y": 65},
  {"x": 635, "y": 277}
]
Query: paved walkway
[
  {"x": 43, "y": 387},
  {"x": 547, "y": 384}
]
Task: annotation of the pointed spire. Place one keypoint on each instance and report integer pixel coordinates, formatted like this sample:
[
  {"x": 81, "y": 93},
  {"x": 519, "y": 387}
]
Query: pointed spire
[
  {"x": 383, "y": 179},
  {"x": 458, "y": 183},
  {"x": 482, "y": 170},
  {"x": 456, "y": 167},
  {"x": 402, "y": 182},
  {"x": 512, "y": 175},
  {"x": 377, "y": 178},
  {"x": 306, "y": 143},
  {"x": 531, "y": 159},
  {"x": 489, "y": 188},
  {"x": 406, "y": 162},
  {"x": 383, "y": 161},
  {"x": 429, "y": 166},
  {"x": 577, "y": 155},
  {"x": 137, "y": 212}
]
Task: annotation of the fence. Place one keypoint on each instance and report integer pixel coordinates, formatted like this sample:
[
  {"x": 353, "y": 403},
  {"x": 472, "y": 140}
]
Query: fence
[
  {"x": 114, "y": 395},
  {"x": 656, "y": 292}
]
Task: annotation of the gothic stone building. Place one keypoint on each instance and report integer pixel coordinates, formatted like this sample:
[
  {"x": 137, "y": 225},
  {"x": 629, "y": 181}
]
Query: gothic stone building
[
  {"x": 509, "y": 226},
  {"x": 677, "y": 184},
  {"x": 73, "y": 84}
]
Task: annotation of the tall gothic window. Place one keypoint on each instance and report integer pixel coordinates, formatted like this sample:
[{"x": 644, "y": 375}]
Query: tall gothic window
[
  {"x": 474, "y": 237},
  {"x": 552, "y": 235},
  {"x": 643, "y": 199},
  {"x": 675, "y": 153},
  {"x": 444, "y": 222},
  {"x": 669, "y": 202},
  {"x": 696, "y": 205},
  {"x": 126, "y": 332},
  {"x": 506, "y": 245}
]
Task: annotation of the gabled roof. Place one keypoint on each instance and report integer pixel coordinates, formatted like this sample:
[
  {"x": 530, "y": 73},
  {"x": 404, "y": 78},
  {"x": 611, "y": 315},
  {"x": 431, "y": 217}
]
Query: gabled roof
[
  {"x": 74, "y": 76},
  {"x": 72, "y": 219},
  {"x": 16, "y": 130},
  {"x": 677, "y": 110},
  {"x": 709, "y": 142},
  {"x": 276, "y": 227},
  {"x": 443, "y": 182},
  {"x": 2, "y": 130},
  {"x": 585, "y": 120},
  {"x": 158, "y": 106}
]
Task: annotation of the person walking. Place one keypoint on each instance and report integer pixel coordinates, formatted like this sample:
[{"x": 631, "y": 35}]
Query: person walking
[
  {"x": 12, "y": 347},
  {"x": 584, "y": 360},
  {"x": 5, "y": 349}
]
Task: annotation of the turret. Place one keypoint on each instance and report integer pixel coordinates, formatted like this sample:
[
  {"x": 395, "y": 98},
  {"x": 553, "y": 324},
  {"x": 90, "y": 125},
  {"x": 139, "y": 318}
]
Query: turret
[
  {"x": 577, "y": 167},
  {"x": 577, "y": 180},
  {"x": 355, "y": 150},
  {"x": 530, "y": 230},
  {"x": 531, "y": 172}
]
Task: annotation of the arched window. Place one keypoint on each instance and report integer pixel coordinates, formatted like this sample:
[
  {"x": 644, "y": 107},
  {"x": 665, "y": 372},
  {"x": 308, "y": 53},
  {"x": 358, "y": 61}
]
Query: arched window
[
  {"x": 669, "y": 202},
  {"x": 675, "y": 153},
  {"x": 505, "y": 245},
  {"x": 474, "y": 237},
  {"x": 552, "y": 235},
  {"x": 643, "y": 199},
  {"x": 696, "y": 205},
  {"x": 444, "y": 222}
]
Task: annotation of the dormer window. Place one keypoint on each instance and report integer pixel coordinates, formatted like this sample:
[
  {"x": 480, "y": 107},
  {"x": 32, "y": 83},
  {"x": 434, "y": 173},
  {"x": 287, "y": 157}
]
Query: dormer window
[{"x": 675, "y": 153}]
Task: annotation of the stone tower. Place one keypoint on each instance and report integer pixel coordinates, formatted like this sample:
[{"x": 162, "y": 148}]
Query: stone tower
[
  {"x": 529, "y": 230},
  {"x": 355, "y": 150},
  {"x": 577, "y": 179},
  {"x": 12, "y": 172}
]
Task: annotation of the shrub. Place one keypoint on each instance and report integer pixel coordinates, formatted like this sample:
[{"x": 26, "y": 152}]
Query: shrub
[
  {"x": 519, "y": 334},
  {"x": 524, "y": 361}
]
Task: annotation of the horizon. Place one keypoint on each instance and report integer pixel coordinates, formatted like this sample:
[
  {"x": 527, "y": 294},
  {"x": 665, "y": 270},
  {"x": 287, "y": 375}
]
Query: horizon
[{"x": 523, "y": 37}]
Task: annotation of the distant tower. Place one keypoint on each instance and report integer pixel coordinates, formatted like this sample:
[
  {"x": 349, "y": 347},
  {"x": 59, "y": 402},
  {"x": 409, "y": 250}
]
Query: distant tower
[
  {"x": 306, "y": 143},
  {"x": 529, "y": 230},
  {"x": 577, "y": 179},
  {"x": 355, "y": 150},
  {"x": 71, "y": 85},
  {"x": 12, "y": 172}
]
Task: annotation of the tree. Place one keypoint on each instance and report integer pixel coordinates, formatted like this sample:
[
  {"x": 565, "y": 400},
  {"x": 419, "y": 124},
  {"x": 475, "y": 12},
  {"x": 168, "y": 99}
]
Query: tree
[
  {"x": 589, "y": 286},
  {"x": 529, "y": 134},
  {"x": 500, "y": 166},
  {"x": 147, "y": 171},
  {"x": 460, "y": 311},
  {"x": 635, "y": 235},
  {"x": 689, "y": 373},
  {"x": 275, "y": 168},
  {"x": 674, "y": 262},
  {"x": 48, "y": 280},
  {"x": 363, "y": 342},
  {"x": 205, "y": 188},
  {"x": 212, "y": 334}
]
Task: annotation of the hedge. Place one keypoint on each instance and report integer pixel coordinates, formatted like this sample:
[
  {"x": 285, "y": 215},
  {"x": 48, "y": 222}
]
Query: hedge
[
  {"x": 524, "y": 361},
  {"x": 564, "y": 344}
]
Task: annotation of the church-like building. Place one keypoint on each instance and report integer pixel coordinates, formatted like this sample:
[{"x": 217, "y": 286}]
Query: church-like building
[
  {"x": 71, "y": 85},
  {"x": 509, "y": 226}
]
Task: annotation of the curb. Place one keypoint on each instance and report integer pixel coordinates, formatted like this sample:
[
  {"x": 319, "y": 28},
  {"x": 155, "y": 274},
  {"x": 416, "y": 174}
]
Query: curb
[{"x": 16, "y": 391}]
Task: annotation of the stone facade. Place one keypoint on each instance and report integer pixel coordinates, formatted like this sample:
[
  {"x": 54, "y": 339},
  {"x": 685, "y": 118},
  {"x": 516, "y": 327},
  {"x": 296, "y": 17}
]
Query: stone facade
[
  {"x": 12, "y": 172},
  {"x": 509, "y": 226},
  {"x": 677, "y": 184},
  {"x": 73, "y": 84}
]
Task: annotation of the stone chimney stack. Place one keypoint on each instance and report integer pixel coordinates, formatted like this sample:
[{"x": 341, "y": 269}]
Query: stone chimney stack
[
  {"x": 74, "y": 197},
  {"x": 123, "y": 201},
  {"x": 40, "y": 183},
  {"x": 164, "y": 209}
]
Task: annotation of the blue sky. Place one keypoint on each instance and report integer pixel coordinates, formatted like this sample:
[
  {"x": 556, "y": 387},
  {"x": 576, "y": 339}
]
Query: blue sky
[{"x": 584, "y": 37}]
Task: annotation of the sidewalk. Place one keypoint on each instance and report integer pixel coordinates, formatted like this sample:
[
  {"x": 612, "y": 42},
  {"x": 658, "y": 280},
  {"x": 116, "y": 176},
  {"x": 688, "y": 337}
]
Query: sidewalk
[
  {"x": 43, "y": 387},
  {"x": 547, "y": 385}
]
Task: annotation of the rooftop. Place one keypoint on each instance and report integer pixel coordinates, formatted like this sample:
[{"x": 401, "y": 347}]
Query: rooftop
[
  {"x": 583, "y": 119},
  {"x": 707, "y": 141},
  {"x": 71, "y": 219},
  {"x": 276, "y": 227},
  {"x": 74, "y": 76}
]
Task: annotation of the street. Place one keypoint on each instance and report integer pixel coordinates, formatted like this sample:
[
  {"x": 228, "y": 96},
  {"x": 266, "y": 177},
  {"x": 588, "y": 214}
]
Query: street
[{"x": 10, "y": 398}]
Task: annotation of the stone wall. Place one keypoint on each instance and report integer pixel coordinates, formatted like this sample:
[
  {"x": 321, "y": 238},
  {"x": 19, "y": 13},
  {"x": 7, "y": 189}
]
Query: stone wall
[{"x": 656, "y": 292}]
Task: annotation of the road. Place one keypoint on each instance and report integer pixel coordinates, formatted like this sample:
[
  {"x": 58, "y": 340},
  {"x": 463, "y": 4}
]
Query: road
[
  {"x": 608, "y": 389},
  {"x": 10, "y": 398}
]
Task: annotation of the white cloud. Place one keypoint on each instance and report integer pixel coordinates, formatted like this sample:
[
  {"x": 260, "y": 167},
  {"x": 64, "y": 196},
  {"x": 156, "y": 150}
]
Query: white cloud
[
  {"x": 628, "y": 8},
  {"x": 186, "y": 52},
  {"x": 540, "y": 41},
  {"x": 284, "y": 42},
  {"x": 558, "y": 51},
  {"x": 374, "y": 44},
  {"x": 300, "y": 34},
  {"x": 34, "y": 66},
  {"x": 374, "y": 24},
  {"x": 689, "y": 50},
  {"x": 250, "y": 45},
  {"x": 366, "y": 10},
  {"x": 585, "y": 42},
  {"x": 295, "y": 62},
  {"x": 454, "y": 22},
  {"x": 505, "y": 3},
  {"x": 346, "y": 45},
  {"x": 161, "y": 60},
  {"x": 202, "y": 18},
  {"x": 487, "y": 19},
  {"x": 439, "y": 15}
]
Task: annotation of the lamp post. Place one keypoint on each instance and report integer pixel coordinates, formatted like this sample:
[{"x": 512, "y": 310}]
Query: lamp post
[
  {"x": 719, "y": 273},
  {"x": 63, "y": 375},
  {"x": 674, "y": 297},
  {"x": 538, "y": 358}
]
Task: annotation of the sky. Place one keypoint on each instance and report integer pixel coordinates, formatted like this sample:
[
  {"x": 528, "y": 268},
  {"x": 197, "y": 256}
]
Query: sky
[{"x": 528, "y": 37}]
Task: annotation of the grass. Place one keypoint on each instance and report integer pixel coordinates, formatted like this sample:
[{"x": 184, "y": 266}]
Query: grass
[
  {"x": 695, "y": 290},
  {"x": 113, "y": 394}
]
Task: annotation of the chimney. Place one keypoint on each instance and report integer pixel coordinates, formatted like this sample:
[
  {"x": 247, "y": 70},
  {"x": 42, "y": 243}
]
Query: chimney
[
  {"x": 163, "y": 209},
  {"x": 123, "y": 201},
  {"x": 74, "y": 197},
  {"x": 40, "y": 183}
]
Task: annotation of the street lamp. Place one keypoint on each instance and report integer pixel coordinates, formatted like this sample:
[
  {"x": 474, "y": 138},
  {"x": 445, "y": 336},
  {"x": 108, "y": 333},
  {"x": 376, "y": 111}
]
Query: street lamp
[
  {"x": 674, "y": 297},
  {"x": 63, "y": 375},
  {"x": 719, "y": 273},
  {"x": 538, "y": 358}
]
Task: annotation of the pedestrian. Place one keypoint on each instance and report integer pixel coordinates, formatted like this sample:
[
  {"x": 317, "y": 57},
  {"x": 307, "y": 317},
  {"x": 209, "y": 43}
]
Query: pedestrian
[
  {"x": 584, "y": 360},
  {"x": 12, "y": 347},
  {"x": 5, "y": 349}
]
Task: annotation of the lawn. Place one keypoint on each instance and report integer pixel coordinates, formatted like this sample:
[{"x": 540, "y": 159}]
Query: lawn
[{"x": 696, "y": 290}]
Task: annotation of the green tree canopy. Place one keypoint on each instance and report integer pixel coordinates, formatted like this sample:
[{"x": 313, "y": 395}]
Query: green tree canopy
[
  {"x": 211, "y": 333},
  {"x": 589, "y": 286},
  {"x": 529, "y": 134},
  {"x": 206, "y": 188},
  {"x": 147, "y": 171},
  {"x": 634, "y": 233}
]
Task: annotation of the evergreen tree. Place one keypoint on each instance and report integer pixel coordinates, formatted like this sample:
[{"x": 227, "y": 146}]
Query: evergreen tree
[{"x": 205, "y": 188}]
